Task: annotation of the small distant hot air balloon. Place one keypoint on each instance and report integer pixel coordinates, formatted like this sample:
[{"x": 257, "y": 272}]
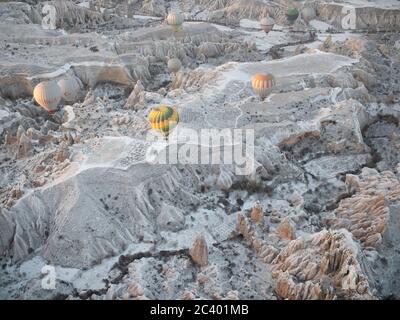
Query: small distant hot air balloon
[
  {"x": 308, "y": 13},
  {"x": 262, "y": 84},
  {"x": 267, "y": 23},
  {"x": 174, "y": 65},
  {"x": 69, "y": 88},
  {"x": 47, "y": 94},
  {"x": 292, "y": 14},
  {"x": 163, "y": 118},
  {"x": 175, "y": 20}
]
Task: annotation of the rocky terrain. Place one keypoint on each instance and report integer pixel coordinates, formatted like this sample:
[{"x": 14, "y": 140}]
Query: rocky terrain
[{"x": 317, "y": 218}]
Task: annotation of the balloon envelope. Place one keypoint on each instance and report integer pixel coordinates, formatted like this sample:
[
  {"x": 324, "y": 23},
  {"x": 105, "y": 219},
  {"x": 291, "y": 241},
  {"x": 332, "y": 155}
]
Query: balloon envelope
[
  {"x": 262, "y": 84},
  {"x": 175, "y": 20},
  {"x": 47, "y": 94},
  {"x": 267, "y": 24},
  {"x": 174, "y": 65},
  {"x": 69, "y": 88},
  {"x": 163, "y": 118},
  {"x": 292, "y": 14},
  {"x": 308, "y": 13}
]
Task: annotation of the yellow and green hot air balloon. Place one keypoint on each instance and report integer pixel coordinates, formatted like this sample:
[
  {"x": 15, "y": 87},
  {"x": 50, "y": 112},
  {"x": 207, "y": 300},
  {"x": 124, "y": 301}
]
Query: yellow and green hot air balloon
[
  {"x": 292, "y": 14},
  {"x": 163, "y": 118}
]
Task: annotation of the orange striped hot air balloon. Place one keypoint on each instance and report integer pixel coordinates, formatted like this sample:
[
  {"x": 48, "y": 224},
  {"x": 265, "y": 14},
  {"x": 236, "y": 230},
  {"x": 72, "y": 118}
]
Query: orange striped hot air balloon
[
  {"x": 262, "y": 84},
  {"x": 163, "y": 118},
  {"x": 47, "y": 94}
]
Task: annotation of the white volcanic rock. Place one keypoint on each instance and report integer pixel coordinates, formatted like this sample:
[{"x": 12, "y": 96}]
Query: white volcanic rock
[
  {"x": 256, "y": 213},
  {"x": 15, "y": 86},
  {"x": 199, "y": 251},
  {"x": 232, "y": 80},
  {"x": 286, "y": 230},
  {"x": 196, "y": 40},
  {"x": 312, "y": 267},
  {"x": 24, "y": 146},
  {"x": 70, "y": 15},
  {"x": 170, "y": 218},
  {"x": 292, "y": 284},
  {"x": 327, "y": 168},
  {"x": 18, "y": 13},
  {"x": 56, "y": 228},
  {"x": 135, "y": 96},
  {"x": 225, "y": 179},
  {"x": 381, "y": 15},
  {"x": 367, "y": 213},
  {"x": 90, "y": 66}
]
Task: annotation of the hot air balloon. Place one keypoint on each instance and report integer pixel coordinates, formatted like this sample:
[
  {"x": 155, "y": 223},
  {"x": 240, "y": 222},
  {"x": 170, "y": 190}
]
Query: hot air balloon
[
  {"x": 47, "y": 94},
  {"x": 163, "y": 118},
  {"x": 292, "y": 14},
  {"x": 69, "y": 88},
  {"x": 175, "y": 20},
  {"x": 174, "y": 65},
  {"x": 262, "y": 84},
  {"x": 308, "y": 13},
  {"x": 267, "y": 24}
]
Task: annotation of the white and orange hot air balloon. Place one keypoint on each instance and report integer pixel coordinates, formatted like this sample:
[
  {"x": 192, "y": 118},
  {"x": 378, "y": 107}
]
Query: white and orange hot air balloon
[
  {"x": 175, "y": 20},
  {"x": 262, "y": 84},
  {"x": 69, "y": 88},
  {"x": 267, "y": 24},
  {"x": 48, "y": 95}
]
